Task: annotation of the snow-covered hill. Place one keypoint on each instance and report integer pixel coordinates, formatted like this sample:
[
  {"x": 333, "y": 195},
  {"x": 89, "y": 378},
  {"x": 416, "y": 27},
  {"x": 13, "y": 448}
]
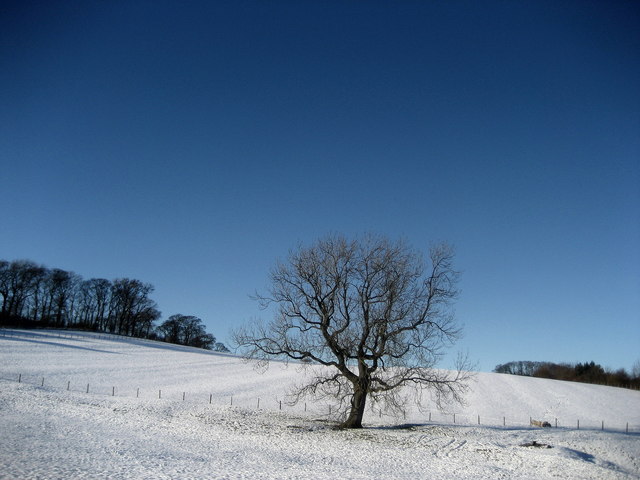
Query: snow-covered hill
[{"x": 155, "y": 410}]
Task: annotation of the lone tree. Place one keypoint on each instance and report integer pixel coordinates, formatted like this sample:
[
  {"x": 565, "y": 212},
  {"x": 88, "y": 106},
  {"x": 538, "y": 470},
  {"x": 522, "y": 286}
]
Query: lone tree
[{"x": 373, "y": 312}]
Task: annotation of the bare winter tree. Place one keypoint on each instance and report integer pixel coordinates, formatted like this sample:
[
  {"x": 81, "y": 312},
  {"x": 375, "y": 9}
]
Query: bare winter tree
[
  {"x": 370, "y": 309},
  {"x": 132, "y": 310}
]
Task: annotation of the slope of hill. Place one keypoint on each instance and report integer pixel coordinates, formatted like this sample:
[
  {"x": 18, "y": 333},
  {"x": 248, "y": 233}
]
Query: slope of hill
[{"x": 97, "y": 406}]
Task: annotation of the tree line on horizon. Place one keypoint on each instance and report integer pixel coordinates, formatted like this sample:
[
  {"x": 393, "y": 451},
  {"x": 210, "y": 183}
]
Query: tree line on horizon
[
  {"x": 588, "y": 372},
  {"x": 34, "y": 296}
]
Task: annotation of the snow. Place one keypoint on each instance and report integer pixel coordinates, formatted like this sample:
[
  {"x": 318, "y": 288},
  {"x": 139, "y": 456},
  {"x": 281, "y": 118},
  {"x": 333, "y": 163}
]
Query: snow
[{"x": 144, "y": 429}]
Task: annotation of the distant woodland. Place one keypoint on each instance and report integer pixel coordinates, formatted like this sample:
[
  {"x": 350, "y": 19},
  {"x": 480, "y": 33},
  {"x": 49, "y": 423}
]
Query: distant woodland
[
  {"x": 588, "y": 372},
  {"x": 34, "y": 296}
]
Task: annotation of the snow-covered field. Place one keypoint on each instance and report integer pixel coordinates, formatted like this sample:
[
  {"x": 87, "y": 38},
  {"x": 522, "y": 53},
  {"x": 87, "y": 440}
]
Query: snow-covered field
[{"x": 162, "y": 411}]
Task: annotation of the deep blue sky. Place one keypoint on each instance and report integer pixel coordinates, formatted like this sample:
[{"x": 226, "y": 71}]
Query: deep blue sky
[{"x": 192, "y": 144}]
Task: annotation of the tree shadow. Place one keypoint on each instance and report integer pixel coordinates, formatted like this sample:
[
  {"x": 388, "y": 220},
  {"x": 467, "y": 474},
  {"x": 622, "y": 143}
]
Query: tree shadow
[
  {"x": 57, "y": 344},
  {"x": 587, "y": 457},
  {"x": 37, "y": 336}
]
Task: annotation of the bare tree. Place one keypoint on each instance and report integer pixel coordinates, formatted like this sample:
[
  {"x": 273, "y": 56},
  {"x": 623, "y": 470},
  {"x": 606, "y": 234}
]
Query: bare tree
[
  {"x": 192, "y": 329},
  {"x": 635, "y": 370},
  {"x": 5, "y": 287},
  {"x": 101, "y": 292},
  {"x": 18, "y": 282},
  {"x": 370, "y": 309},
  {"x": 171, "y": 329},
  {"x": 39, "y": 298},
  {"x": 132, "y": 312},
  {"x": 189, "y": 330},
  {"x": 62, "y": 291}
]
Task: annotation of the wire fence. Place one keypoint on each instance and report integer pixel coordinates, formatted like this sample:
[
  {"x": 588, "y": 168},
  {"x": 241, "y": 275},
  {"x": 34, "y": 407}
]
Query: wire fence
[{"x": 316, "y": 409}]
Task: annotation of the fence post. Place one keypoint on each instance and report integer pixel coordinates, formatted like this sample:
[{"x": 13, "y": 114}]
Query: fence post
[
  {"x": 454, "y": 418},
  {"x": 68, "y": 385},
  {"x": 159, "y": 393},
  {"x": 556, "y": 423},
  {"x": 602, "y": 424},
  {"x": 478, "y": 419},
  {"x": 429, "y": 416},
  {"x": 20, "y": 378},
  {"x": 258, "y": 403},
  {"x": 280, "y": 404},
  {"x": 183, "y": 394},
  {"x": 578, "y": 424},
  {"x": 138, "y": 392},
  {"x": 232, "y": 400},
  {"x": 113, "y": 391},
  {"x": 504, "y": 421},
  {"x": 210, "y": 398},
  {"x": 42, "y": 384},
  {"x": 627, "y": 430},
  {"x": 87, "y": 388}
]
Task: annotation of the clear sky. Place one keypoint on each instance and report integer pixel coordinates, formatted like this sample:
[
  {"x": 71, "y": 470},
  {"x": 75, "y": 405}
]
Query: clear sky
[{"x": 192, "y": 144}]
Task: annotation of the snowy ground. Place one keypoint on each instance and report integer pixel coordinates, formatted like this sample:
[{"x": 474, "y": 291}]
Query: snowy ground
[{"x": 134, "y": 423}]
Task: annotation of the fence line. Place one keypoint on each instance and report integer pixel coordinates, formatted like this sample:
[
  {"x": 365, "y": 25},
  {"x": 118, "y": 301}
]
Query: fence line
[{"x": 433, "y": 417}]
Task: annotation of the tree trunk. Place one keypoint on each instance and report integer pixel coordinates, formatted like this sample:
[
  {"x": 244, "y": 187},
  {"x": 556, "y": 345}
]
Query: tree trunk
[{"x": 358, "y": 402}]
